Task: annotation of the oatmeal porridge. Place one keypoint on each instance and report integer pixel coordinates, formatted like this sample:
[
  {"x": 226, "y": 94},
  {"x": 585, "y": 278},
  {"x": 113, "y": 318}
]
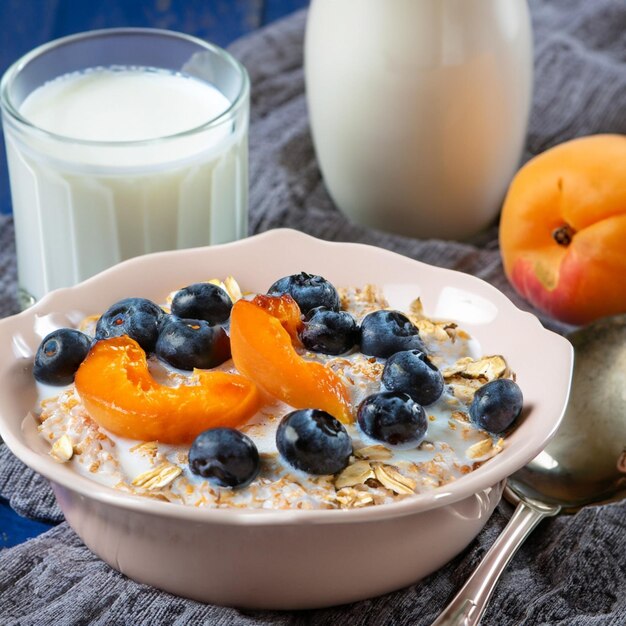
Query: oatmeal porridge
[{"x": 385, "y": 439}]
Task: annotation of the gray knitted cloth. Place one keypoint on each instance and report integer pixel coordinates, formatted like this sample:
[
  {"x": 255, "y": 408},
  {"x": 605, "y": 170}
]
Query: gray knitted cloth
[{"x": 572, "y": 571}]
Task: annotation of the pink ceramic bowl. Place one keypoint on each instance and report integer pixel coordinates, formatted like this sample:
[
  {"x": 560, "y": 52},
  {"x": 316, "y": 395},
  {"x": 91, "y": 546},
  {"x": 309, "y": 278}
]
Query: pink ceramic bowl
[{"x": 288, "y": 559}]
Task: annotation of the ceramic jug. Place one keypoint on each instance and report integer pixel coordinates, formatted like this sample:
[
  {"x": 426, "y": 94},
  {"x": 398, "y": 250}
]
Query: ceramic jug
[{"x": 419, "y": 109}]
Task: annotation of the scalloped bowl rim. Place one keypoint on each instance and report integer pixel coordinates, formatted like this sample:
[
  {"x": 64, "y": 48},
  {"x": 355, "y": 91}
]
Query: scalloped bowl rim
[{"x": 489, "y": 474}]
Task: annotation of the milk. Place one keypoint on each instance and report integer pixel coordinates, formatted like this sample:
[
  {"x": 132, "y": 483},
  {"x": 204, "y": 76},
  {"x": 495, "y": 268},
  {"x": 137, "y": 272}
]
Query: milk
[
  {"x": 419, "y": 108},
  {"x": 137, "y": 167}
]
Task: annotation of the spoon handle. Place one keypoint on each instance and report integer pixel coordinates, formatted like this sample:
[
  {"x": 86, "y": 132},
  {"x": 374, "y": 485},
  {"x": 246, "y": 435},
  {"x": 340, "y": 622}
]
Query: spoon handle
[{"x": 468, "y": 605}]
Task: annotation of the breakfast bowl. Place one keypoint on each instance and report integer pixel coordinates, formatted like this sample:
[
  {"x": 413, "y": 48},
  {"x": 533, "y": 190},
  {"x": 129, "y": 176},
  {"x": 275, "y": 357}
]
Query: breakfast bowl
[{"x": 287, "y": 559}]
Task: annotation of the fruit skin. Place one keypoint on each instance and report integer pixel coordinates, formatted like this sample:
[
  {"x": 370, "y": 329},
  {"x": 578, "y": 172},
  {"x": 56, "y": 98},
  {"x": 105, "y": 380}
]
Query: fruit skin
[
  {"x": 308, "y": 290},
  {"x": 313, "y": 441},
  {"x": 384, "y": 333},
  {"x": 59, "y": 355},
  {"x": 262, "y": 350},
  {"x": 286, "y": 310},
  {"x": 394, "y": 418},
  {"x": 224, "y": 456},
  {"x": 329, "y": 332},
  {"x": 138, "y": 318},
  {"x": 412, "y": 372},
  {"x": 191, "y": 344},
  {"x": 202, "y": 301},
  {"x": 496, "y": 405},
  {"x": 574, "y": 192},
  {"x": 120, "y": 395}
]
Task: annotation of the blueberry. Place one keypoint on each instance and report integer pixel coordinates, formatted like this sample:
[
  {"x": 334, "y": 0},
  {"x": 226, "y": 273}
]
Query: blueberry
[
  {"x": 59, "y": 355},
  {"x": 329, "y": 332},
  {"x": 313, "y": 441},
  {"x": 384, "y": 333},
  {"x": 308, "y": 290},
  {"x": 496, "y": 405},
  {"x": 136, "y": 317},
  {"x": 202, "y": 301},
  {"x": 412, "y": 372},
  {"x": 187, "y": 344},
  {"x": 393, "y": 417},
  {"x": 225, "y": 456}
]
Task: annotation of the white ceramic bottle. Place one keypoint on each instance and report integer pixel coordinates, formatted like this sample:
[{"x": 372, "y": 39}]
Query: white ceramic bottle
[{"x": 419, "y": 108}]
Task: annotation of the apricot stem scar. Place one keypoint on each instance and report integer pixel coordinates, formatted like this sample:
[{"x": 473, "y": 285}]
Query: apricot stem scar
[{"x": 563, "y": 235}]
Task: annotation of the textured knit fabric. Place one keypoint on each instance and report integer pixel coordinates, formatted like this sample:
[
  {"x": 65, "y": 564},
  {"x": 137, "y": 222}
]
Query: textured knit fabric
[{"x": 571, "y": 571}]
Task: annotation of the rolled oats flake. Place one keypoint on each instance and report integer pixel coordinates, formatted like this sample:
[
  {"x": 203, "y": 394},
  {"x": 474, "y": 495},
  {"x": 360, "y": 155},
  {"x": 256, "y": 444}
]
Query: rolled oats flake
[
  {"x": 480, "y": 449},
  {"x": 157, "y": 477},
  {"x": 62, "y": 449},
  {"x": 417, "y": 307},
  {"x": 460, "y": 416},
  {"x": 392, "y": 479},
  {"x": 374, "y": 453},
  {"x": 350, "y": 498},
  {"x": 432, "y": 330},
  {"x": 148, "y": 448},
  {"x": 355, "y": 474}
]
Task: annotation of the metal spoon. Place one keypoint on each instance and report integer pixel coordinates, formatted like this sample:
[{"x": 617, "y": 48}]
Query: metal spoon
[{"x": 584, "y": 464}]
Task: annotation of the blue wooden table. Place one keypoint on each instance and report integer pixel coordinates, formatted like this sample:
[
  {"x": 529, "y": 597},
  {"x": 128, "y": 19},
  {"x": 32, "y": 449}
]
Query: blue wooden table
[
  {"x": 15, "y": 529},
  {"x": 27, "y": 24}
]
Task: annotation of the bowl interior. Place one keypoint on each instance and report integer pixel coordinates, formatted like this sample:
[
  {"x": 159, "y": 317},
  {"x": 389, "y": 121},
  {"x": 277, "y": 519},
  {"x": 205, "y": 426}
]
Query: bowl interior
[{"x": 541, "y": 360}]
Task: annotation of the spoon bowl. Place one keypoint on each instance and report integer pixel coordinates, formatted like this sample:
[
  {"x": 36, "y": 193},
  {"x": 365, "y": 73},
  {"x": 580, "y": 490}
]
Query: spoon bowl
[
  {"x": 586, "y": 461},
  {"x": 584, "y": 464}
]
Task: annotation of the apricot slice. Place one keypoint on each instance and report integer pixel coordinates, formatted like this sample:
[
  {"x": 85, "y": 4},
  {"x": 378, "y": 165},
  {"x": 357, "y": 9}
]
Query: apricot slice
[
  {"x": 286, "y": 310},
  {"x": 120, "y": 394},
  {"x": 262, "y": 350}
]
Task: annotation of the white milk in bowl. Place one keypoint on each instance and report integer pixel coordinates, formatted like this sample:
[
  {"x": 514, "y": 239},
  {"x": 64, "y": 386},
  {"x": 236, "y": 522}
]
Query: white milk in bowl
[{"x": 131, "y": 160}]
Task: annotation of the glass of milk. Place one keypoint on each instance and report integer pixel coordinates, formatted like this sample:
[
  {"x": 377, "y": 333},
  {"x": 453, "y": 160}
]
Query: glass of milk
[{"x": 122, "y": 142}]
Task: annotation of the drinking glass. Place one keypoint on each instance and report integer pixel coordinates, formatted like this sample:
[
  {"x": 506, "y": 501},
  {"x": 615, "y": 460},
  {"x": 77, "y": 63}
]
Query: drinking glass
[{"x": 81, "y": 205}]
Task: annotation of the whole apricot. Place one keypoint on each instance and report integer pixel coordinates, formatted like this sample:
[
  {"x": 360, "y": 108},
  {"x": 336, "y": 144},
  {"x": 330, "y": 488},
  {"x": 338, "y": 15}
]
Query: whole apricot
[{"x": 563, "y": 229}]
